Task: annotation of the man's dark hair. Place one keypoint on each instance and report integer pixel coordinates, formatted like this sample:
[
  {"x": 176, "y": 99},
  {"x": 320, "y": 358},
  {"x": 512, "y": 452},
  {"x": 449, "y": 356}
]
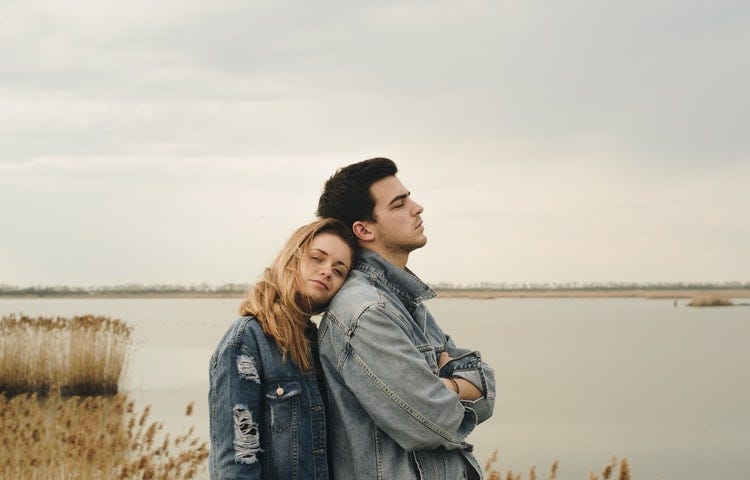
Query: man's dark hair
[{"x": 346, "y": 195}]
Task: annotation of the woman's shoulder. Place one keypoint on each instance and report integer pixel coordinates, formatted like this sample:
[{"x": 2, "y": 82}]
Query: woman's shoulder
[
  {"x": 247, "y": 337},
  {"x": 245, "y": 331}
]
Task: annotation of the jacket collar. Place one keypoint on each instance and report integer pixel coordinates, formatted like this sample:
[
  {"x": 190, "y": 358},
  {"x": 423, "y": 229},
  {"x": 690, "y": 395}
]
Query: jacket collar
[{"x": 402, "y": 282}]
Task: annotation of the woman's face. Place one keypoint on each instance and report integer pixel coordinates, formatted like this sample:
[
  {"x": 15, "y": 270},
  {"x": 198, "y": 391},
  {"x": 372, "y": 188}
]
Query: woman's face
[{"x": 324, "y": 267}]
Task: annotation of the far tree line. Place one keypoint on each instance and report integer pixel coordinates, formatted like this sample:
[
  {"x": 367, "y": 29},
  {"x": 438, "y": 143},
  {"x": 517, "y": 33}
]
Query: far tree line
[{"x": 238, "y": 289}]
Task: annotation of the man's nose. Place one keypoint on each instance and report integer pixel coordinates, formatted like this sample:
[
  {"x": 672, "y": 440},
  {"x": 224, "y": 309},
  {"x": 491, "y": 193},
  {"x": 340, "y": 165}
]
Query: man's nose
[{"x": 417, "y": 208}]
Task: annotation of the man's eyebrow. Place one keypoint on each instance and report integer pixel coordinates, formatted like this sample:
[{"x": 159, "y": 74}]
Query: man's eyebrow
[{"x": 399, "y": 197}]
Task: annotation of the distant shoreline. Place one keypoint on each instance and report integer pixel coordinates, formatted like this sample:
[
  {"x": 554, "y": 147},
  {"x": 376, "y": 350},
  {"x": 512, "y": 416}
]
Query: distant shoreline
[
  {"x": 675, "y": 294},
  {"x": 154, "y": 295},
  {"x": 488, "y": 294}
]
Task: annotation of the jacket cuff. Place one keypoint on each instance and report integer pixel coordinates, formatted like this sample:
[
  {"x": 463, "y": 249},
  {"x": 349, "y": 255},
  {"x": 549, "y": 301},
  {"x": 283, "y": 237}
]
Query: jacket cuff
[{"x": 468, "y": 367}]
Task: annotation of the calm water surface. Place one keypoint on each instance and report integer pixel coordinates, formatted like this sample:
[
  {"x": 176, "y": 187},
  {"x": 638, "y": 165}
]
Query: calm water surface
[{"x": 578, "y": 379}]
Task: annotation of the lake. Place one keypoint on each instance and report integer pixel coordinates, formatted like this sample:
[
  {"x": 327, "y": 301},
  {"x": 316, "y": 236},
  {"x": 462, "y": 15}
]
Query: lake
[{"x": 578, "y": 379}]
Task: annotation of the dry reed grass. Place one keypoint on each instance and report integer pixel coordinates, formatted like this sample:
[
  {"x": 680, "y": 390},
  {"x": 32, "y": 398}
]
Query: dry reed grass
[
  {"x": 73, "y": 438},
  {"x": 607, "y": 473},
  {"x": 85, "y": 354},
  {"x": 709, "y": 300}
]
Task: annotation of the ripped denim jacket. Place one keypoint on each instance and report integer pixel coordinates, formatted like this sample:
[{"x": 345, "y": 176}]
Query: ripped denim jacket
[{"x": 267, "y": 419}]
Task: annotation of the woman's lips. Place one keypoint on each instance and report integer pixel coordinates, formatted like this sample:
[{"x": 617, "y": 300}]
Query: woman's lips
[{"x": 321, "y": 284}]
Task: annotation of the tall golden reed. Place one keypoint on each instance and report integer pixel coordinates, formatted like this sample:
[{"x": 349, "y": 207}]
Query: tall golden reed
[
  {"x": 74, "y": 438},
  {"x": 494, "y": 473},
  {"x": 710, "y": 300},
  {"x": 84, "y": 354}
]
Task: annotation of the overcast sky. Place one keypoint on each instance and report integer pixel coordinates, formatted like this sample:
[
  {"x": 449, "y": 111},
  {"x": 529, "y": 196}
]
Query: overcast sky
[{"x": 183, "y": 141}]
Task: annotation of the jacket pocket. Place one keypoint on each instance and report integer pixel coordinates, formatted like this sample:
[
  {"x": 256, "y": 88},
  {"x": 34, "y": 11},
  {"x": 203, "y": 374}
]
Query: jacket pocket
[
  {"x": 283, "y": 405},
  {"x": 430, "y": 357},
  {"x": 282, "y": 417}
]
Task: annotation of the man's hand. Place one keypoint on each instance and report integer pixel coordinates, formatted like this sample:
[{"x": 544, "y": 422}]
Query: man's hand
[{"x": 443, "y": 359}]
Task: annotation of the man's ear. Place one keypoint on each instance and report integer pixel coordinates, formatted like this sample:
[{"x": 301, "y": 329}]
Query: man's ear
[{"x": 363, "y": 231}]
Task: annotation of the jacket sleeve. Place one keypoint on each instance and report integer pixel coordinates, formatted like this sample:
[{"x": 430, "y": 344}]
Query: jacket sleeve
[
  {"x": 234, "y": 401},
  {"x": 468, "y": 365},
  {"x": 396, "y": 386}
]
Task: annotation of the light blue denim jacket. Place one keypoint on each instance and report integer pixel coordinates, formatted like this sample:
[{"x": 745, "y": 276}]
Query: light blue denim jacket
[
  {"x": 391, "y": 416},
  {"x": 267, "y": 418}
]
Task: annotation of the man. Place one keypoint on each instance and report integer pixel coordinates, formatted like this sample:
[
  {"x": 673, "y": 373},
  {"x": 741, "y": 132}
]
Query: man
[{"x": 403, "y": 397}]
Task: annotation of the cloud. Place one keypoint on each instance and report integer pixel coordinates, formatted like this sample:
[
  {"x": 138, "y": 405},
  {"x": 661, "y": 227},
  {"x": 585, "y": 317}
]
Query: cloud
[{"x": 547, "y": 141}]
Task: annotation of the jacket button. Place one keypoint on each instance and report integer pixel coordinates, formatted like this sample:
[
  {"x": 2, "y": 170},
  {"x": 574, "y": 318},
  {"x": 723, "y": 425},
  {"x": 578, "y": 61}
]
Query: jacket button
[{"x": 279, "y": 391}]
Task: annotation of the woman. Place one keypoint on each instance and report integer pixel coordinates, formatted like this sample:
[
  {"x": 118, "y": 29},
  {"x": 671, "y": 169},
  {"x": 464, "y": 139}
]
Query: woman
[{"x": 266, "y": 411}]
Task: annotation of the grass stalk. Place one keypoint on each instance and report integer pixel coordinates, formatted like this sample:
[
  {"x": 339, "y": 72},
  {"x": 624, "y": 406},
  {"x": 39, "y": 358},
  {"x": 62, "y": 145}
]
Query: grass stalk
[
  {"x": 85, "y": 355},
  {"x": 77, "y": 438}
]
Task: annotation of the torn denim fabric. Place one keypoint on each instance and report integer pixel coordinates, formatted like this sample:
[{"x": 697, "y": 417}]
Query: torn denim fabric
[
  {"x": 246, "y": 436},
  {"x": 247, "y": 368}
]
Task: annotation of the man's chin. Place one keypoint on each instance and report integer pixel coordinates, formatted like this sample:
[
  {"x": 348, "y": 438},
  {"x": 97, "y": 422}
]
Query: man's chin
[{"x": 419, "y": 243}]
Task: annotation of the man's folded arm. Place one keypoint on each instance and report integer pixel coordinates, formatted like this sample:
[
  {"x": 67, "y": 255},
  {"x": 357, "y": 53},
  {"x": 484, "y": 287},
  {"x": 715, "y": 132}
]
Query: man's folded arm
[
  {"x": 469, "y": 365},
  {"x": 394, "y": 384}
]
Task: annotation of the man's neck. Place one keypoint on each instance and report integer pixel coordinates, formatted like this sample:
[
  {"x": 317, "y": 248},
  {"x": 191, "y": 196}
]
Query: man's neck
[{"x": 397, "y": 259}]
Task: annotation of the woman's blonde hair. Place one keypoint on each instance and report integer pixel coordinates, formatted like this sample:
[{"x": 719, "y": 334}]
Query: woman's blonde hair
[{"x": 283, "y": 314}]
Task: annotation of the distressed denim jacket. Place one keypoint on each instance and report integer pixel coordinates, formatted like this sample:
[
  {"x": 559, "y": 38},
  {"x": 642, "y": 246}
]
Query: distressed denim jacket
[
  {"x": 267, "y": 418},
  {"x": 391, "y": 416}
]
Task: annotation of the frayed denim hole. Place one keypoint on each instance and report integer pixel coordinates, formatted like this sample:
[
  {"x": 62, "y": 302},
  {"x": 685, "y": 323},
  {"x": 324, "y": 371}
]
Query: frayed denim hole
[
  {"x": 247, "y": 368},
  {"x": 246, "y": 436}
]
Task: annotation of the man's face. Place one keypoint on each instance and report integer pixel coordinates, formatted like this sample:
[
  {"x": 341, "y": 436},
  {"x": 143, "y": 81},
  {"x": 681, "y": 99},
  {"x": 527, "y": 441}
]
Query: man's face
[{"x": 398, "y": 226}]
